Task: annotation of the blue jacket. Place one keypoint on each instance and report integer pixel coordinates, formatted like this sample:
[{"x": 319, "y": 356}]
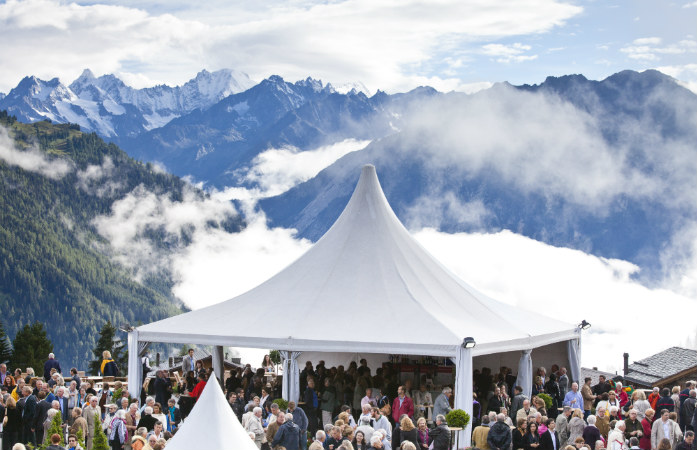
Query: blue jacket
[
  {"x": 288, "y": 436},
  {"x": 299, "y": 418}
]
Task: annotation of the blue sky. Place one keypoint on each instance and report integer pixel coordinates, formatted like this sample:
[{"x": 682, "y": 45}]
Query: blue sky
[{"x": 385, "y": 44}]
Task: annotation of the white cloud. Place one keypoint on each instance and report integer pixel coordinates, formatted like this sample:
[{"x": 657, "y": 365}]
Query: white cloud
[
  {"x": 32, "y": 159},
  {"x": 686, "y": 75},
  {"x": 508, "y": 53},
  {"x": 99, "y": 179},
  {"x": 536, "y": 142},
  {"x": 218, "y": 266},
  {"x": 647, "y": 41},
  {"x": 341, "y": 41},
  {"x": 277, "y": 170},
  {"x": 690, "y": 5},
  {"x": 434, "y": 208},
  {"x": 650, "y": 49},
  {"x": 139, "y": 215},
  {"x": 569, "y": 285}
]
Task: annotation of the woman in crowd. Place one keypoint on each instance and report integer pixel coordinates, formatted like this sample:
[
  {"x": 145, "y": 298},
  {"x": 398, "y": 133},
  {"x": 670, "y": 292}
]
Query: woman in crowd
[
  {"x": 591, "y": 433},
  {"x": 108, "y": 367},
  {"x": 537, "y": 386},
  {"x": 12, "y": 424},
  {"x": 646, "y": 424},
  {"x": 518, "y": 437},
  {"x": 422, "y": 434},
  {"x": 359, "y": 442},
  {"x": 407, "y": 431},
  {"x": 9, "y": 382},
  {"x": 158, "y": 414},
  {"x": 576, "y": 425},
  {"x": 622, "y": 395},
  {"x": 640, "y": 404},
  {"x": 118, "y": 435},
  {"x": 531, "y": 439},
  {"x": 267, "y": 365}
]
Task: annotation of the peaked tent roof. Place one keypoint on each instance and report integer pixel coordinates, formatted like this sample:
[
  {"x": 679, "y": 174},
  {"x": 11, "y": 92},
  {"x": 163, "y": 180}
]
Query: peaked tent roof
[
  {"x": 211, "y": 425},
  {"x": 367, "y": 270}
]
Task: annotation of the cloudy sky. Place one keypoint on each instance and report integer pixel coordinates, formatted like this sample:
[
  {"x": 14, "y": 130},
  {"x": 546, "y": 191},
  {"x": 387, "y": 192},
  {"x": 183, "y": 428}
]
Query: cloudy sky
[{"x": 385, "y": 44}]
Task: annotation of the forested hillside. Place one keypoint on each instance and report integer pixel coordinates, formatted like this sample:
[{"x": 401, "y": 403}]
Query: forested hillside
[{"x": 54, "y": 266}]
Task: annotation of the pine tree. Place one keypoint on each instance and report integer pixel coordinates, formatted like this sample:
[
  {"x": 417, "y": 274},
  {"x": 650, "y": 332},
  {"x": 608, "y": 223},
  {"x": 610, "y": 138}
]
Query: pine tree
[
  {"x": 31, "y": 347},
  {"x": 99, "y": 441},
  {"x": 108, "y": 341},
  {"x": 5, "y": 346},
  {"x": 80, "y": 437},
  {"x": 55, "y": 428}
]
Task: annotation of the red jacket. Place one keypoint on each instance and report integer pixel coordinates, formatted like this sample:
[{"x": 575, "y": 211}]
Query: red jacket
[
  {"x": 645, "y": 440},
  {"x": 198, "y": 389},
  {"x": 407, "y": 408}
]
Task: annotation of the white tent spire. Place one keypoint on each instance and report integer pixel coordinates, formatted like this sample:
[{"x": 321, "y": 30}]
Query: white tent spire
[
  {"x": 366, "y": 270},
  {"x": 211, "y": 424}
]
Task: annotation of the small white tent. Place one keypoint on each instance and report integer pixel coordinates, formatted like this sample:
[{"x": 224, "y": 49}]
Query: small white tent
[
  {"x": 366, "y": 270},
  {"x": 211, "y": 425}
]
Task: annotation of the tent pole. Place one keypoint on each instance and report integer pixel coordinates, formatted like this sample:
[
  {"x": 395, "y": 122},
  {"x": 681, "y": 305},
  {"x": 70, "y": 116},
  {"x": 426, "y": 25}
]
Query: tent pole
[
  {"x": 219, "y": 364},
  {"x": 524, "y": 379},
  {"x": 135, "y": 368},
  {"x": 463, "y": 391}
]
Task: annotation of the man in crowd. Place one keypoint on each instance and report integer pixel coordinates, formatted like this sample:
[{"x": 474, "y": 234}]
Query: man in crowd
[
  {"x": 480, "y": 434},
  {"x": 273, "y": 427},
  {"x": 688, "y": 443},
  {"x": 550, "y": 440},
  {"x": 573, "y": 398},
  {"x": 526, "y": 411},
  {"x": 52, "y": 363},
  {"x": 601, "y": 388},
  {"x": 189, "y": 362},
  {"x": 442, "y": 403},
  {"x": 402, "y": 405},
  {"x": 288, "y": 436},
  {"x": 563, "y": 382},
  {"x": 499, "y": 437},
  {"x": 29, "y": 415},
  {"x": 440, "y": 435},
  {"x": 381, "y": 423},
  {"x": 665, "y": 428},
  {"x": 300, "y": 419},
  {"x": 688, "y": 410},
  {"x": 91, "y": 413},
  {"x": 562, "y": 425},
  {"x": 517, "y": 401},
  {"x": 588, "y": 397}
]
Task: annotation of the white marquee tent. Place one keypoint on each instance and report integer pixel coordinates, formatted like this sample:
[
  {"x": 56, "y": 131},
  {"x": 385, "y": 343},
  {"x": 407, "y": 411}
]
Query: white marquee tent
[
  {"x": 366, "y": 270},
  {"x": 211, "y": 425}
]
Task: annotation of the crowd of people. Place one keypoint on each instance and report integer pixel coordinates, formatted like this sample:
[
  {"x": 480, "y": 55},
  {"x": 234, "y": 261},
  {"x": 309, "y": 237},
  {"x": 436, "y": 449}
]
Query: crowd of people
[{"x": 345, "y": 409}]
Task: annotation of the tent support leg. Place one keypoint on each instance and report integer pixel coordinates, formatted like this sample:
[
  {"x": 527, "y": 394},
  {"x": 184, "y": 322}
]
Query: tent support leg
[
  {"x": 218, "y": 364},
  {"x": 463, "y": 392}
]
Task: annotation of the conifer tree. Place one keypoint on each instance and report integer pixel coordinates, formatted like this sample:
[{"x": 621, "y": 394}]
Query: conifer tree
[
  {"x": 106, "y": 342},
  {"x": 55, "y": 428},
  {"x": 5, "y": 346},
  {"x": 99, "y": 441},
  {"x": 31, "y": 347}
]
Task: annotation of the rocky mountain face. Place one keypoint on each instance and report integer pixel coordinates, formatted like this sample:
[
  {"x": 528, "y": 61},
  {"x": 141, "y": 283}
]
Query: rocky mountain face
[{"x": 112, "y": 109}]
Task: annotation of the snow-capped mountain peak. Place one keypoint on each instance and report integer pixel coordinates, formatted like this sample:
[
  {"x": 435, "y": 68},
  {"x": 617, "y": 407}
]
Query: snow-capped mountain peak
[{"x": 107, "y": 105}]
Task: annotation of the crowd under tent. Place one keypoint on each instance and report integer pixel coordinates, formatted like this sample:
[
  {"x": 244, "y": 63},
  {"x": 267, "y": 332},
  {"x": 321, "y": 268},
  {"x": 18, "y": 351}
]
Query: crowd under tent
[{"x": 360, "y": 290}]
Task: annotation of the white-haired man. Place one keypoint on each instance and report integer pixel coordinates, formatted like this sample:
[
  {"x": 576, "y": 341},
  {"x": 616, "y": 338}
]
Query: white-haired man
[
  {"x": 442, "y": 404},
  {"x": 255, "y": 426}
]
